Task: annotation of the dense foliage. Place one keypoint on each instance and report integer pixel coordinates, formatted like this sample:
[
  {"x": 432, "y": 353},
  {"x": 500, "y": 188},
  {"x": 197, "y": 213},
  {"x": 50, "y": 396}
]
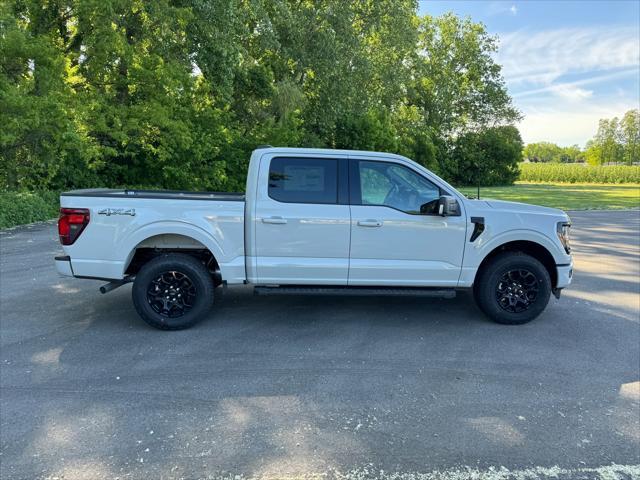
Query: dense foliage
[
  {"x": 176, "y": 93},
  {"x": 578, "y": 173},
  {"x": 550, "y": 152},
  {"x": 17, "y": 208},
  {"x": 489, "y": 157}
]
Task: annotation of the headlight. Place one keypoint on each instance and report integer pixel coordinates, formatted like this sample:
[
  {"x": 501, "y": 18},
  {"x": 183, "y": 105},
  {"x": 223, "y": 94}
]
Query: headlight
[{"x": 563, "y": 235}]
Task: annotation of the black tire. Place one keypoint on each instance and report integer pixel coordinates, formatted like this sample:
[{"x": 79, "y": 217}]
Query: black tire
[
  {"x": 173, "y": 291},
  {"x": 514, "y": 288}
]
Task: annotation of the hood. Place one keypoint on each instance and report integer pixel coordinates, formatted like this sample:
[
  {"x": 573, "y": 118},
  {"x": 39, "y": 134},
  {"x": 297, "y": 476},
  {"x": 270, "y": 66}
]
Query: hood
[{"x": 516, "y": 207}]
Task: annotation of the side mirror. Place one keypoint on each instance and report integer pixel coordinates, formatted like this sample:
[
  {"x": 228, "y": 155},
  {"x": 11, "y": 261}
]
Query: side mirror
[{"x": 448, "y": 206}]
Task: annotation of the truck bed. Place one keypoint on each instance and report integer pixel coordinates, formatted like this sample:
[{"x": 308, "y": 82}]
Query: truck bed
[
  {"x": 122, "y": 220},
  {"x": 155, "y": 194}
]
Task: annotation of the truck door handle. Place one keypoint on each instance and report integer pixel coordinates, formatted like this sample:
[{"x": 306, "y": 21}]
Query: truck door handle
[
  {"x": 274, "y": 220},
  {"x": 370, "y": 223}
]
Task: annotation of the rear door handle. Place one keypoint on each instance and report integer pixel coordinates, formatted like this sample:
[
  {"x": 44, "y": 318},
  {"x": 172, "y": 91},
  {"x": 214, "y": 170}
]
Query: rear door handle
[
  {"x": 274, "y": 220},
  {"x": 370, "y": 223}
]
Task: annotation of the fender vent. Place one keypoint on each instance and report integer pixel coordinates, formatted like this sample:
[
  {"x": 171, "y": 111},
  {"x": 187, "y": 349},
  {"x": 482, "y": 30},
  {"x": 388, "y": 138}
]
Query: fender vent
[{"x": 478, "y": 227}]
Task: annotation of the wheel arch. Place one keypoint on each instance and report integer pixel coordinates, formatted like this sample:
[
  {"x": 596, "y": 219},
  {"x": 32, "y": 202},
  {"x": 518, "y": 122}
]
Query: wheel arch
[
  {"x": 148, "y": 243},
  {"x": 528, "y": 247}
]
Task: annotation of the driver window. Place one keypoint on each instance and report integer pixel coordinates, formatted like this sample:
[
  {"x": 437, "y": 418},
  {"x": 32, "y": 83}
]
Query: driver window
[{"x": 396, "y": 186}]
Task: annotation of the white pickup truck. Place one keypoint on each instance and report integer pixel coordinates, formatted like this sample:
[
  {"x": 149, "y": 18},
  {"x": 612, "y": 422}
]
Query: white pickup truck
[{"x": 316, "y": 221}]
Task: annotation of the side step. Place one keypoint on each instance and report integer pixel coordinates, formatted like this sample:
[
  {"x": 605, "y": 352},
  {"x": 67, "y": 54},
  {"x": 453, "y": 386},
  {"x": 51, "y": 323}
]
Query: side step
[{"x": 358, "y": 291}]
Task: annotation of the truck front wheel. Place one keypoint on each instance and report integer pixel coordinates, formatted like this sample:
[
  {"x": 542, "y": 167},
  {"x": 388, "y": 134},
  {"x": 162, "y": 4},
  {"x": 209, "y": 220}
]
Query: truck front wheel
[
  {"x": 514, "y": 288},
  {"x": 173, "y": 291}
]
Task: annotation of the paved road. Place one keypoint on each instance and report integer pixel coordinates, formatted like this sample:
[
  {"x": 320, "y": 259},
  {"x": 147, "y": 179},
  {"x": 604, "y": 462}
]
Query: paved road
[{"x": 305, "y": 385}]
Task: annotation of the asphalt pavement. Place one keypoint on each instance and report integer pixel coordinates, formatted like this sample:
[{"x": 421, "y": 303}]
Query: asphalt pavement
[{"x": 321, "y": 387}]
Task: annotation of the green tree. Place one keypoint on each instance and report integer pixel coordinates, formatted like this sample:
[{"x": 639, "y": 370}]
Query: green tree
[
  {"x": 550, "y": 152},
  {"x": 616, "y": 141},
  {"x": 608, "y": 139},
  {"x": 487, "y": 157},
  {"x": 542, "y": 152},
  {"x": 176, "y": 93},
  {"x": 593, "y": 153},
  {"x": 150, "y": 116},
  {"x": 572, "y": 154},
  {"x": 457, "y": 83},
  {"x": 630, "y": 135},
  {"x": 41, "y": 140}
]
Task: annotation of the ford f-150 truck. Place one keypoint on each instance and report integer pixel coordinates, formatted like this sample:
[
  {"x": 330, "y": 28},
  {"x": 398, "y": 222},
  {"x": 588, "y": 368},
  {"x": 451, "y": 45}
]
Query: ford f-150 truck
[{"x": 316, "y": 221}]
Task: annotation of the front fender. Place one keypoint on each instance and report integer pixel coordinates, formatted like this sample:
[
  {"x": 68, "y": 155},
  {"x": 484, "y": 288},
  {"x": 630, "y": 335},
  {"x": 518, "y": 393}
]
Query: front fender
[
  {"x": 477, "y": 251},
  {"x": 481, "y": 248}
]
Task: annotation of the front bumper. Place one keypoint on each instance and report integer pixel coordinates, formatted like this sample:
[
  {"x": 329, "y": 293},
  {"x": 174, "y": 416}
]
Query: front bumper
[
  {"x": 565, "y": 275},
  {"x": 63, "y": 266}
]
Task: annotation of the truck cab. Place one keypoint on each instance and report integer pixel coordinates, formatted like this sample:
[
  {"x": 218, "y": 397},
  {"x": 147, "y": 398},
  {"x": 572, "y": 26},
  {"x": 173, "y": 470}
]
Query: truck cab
[{"x": 318, "y": 221}]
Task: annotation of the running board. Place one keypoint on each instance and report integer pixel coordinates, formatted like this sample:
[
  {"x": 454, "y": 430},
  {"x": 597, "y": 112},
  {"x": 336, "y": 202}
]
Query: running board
[{"x": 358, "y": 291}]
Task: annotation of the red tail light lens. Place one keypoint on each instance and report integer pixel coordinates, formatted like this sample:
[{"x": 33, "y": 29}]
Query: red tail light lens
[{"x": 71, "y": 223}]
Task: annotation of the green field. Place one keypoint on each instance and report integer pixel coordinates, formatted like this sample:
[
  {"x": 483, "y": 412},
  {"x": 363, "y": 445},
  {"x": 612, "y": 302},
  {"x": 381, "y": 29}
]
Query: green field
[
  {"x": 565, "y": 196},
  {"x": 579, "y": 173}
]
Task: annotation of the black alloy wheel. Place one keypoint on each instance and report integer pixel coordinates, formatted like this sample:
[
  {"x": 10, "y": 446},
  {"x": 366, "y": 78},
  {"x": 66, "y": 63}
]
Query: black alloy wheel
[
  {"x": 517, "y": 290},
  {"x": 512, "y": 288},
  {"x": 173, "y": 291},
  {"x": 171, "y": 294}
]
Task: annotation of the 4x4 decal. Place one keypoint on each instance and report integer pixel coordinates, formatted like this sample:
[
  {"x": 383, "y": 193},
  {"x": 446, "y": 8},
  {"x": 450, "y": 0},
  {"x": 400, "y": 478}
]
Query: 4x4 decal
[{"x": 117, "y": 211}]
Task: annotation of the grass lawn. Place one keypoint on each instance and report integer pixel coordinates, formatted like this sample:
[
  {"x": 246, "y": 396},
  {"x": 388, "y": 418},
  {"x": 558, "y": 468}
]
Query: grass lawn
[{"x": 567, "y": 196}]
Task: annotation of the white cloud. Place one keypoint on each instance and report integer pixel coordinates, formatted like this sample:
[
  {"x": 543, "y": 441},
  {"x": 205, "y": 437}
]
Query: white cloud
[
  {"x": 571, "y": 92},
  {"x": 567, "y": 123},
  {"x": 552, "y": 76},
  {"x": 573, "y": 87},
  {"x": 499, "y": 7},
  {"x": 542, "y": 57}
]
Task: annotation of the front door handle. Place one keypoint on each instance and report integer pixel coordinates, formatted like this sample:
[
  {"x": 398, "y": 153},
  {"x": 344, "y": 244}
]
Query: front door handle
[
  {"x": 370, "y": 223},
  {"x": 274, "y": 220}
]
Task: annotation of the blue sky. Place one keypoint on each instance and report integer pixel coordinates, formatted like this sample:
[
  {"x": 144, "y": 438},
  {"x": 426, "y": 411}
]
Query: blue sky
[{"x": 566, "y": 63}]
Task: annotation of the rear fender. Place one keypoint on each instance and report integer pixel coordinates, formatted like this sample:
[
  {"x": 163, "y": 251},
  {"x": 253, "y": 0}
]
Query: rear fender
[{"x": 130, "y": 243}]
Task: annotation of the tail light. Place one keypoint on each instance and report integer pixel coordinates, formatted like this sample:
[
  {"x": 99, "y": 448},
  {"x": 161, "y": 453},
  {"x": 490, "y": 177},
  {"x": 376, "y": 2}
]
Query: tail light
[{"x": 71, "y": 223}]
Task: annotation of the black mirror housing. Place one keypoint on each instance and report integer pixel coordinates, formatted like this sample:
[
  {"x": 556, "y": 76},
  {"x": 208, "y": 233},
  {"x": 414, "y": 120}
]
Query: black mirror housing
[{"x": 448, "y": 206}]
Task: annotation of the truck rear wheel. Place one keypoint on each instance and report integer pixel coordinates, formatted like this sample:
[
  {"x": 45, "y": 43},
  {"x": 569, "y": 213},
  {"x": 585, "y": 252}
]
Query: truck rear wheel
[
  {"x": 173, "y": 291},
  {"x": 514, "y": 288}
]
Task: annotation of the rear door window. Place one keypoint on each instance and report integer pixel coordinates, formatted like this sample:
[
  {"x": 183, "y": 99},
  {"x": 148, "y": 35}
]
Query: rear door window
[{"x": 303, "y": 180}]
